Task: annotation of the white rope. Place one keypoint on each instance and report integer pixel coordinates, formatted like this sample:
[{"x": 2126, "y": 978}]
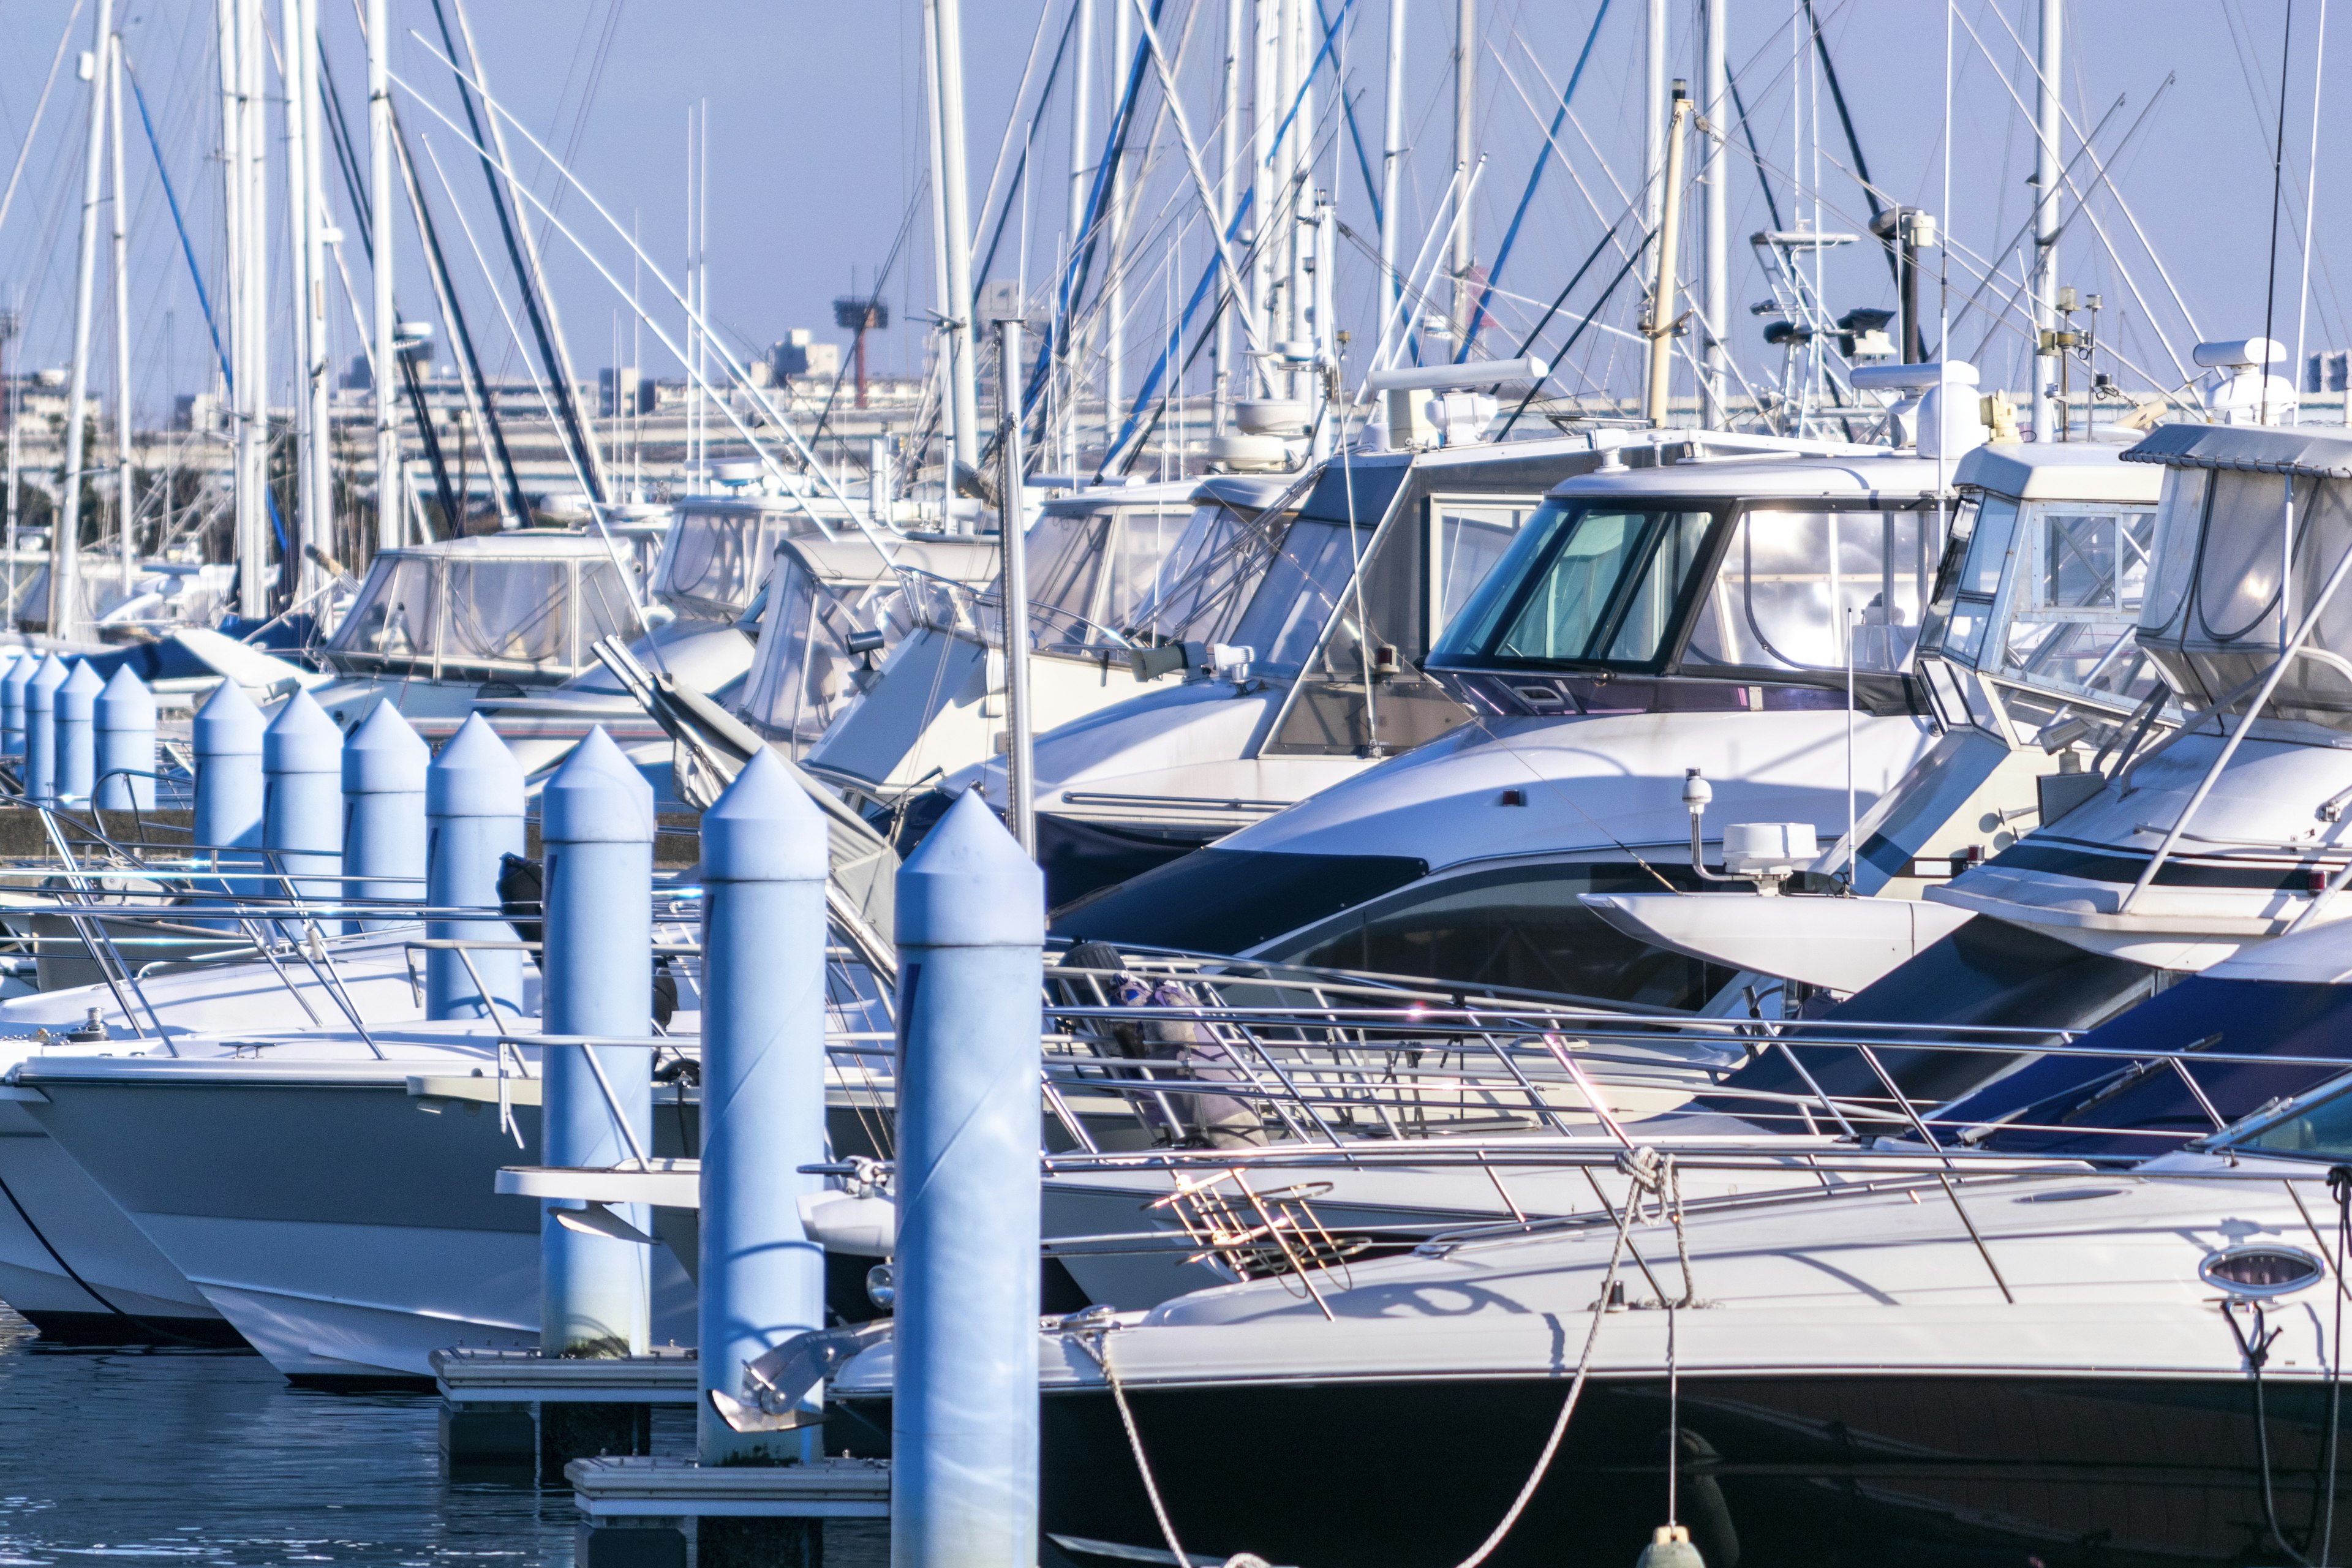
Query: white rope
[
  {"x": 1568, "y": 1406},
  {"x": 1135, "y": 1443}
]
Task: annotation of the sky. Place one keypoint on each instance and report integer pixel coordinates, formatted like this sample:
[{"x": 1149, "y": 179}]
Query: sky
[{"x": 817, "y": 161}]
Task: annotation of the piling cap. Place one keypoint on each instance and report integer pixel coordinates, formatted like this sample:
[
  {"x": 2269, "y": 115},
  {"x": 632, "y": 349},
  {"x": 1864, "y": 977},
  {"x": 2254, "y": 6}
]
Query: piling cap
[
  {"x": 228, "y": 724},
  {"x": 77, "y": 697},
  {"x": 597, "y": 796},
  {"x": 765, "y": 829},
  {"x": 475, "y": 775},
  {"x": 42, "y": 691},
  {"x": 126, "y": 703},
  {"x": 301, "y": 739},
  {"x": 20, "y": 674},
  {"x": 385, "y": 756},
  {"x": 969, "y": 885}
]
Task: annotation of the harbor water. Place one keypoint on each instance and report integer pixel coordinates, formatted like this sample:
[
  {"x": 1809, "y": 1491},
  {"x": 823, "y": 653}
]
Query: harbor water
[{"x": 212, "y": 1458}]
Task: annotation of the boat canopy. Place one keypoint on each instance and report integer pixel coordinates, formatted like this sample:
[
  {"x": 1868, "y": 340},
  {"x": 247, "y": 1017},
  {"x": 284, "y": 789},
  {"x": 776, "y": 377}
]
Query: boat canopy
[
  {"x": 2041, "y": 587},
  {"x": 718, "y": 552},
  {"x": 819, "y": 594},
  {"x": 525, "y": 606},
  {"x": 2214, "y": 615}
]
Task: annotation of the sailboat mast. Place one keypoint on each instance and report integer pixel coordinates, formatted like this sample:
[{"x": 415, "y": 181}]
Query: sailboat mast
[
  {"x": 963, "y": 386},
  {"x": 252, "y": 320},
  {"x": 1466, "y": 139},
  {"x": 125, "y": 505},
  {"x": 1715, "y": 171},
  {"x": 389, "y": 475},
  {"x": 64, "y": 540},
  {"x": 2047, "y": 105}
]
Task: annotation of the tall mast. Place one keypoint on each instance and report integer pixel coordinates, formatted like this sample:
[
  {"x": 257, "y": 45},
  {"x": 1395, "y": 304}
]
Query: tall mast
[
  {"x": 389, "y": 475},
  {"x": 1232, "y": 152},
  {"x": 1466, "y": 138},
  {"x": 1122, "y": 61},
  {"x": 64, "y": 540},
  {"x": 126, "y": 509},
  {"x": 1392, "y": 161},
  {"x": 963, "y": 385},
  {"x": 2045, "y": 220},
  {"x": 252, "y": 322},
  {"x": 1265, "y": 116},
  {"x": 312, "y": 497},
  {"x": 1715, "y": 170},
  {"x": 1653, "y": 113}
]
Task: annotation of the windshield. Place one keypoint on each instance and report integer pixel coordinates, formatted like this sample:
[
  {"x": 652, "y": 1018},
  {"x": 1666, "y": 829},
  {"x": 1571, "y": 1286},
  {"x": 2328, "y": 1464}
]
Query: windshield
[
  {"x": 393, "y": 615},
  {"x": 1206, "y": 576},
  {"x": 803, "y": 676},
  {"x": 1089, "y": 571},
  {"x": 2048, "y": 596},
  {"x": 717, "y": 558},
  {"x": 1585, "y": 582},
  {"x": 508, "y": 613},
  {"x": 2322, "y": 1130},
  {"x": 1804, "y": 591}
]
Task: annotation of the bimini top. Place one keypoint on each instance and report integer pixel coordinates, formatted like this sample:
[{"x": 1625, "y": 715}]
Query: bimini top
[
  {"x": 525, "y": 604},
  {"x": 2258, "y": 449},
  {"x": 2058, "y": 470}
]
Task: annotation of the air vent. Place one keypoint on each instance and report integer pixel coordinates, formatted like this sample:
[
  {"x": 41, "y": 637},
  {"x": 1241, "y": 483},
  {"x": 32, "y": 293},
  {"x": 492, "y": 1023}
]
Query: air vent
[
  {"x": 1540, "y": 697},
  {"x": 2262, "y": 1271}
]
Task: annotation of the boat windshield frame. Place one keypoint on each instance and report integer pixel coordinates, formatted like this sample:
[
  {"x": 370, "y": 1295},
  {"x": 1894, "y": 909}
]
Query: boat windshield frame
[
  {"x": 1467, "y": 645},
  {"x": 2240, "y": 1137}
]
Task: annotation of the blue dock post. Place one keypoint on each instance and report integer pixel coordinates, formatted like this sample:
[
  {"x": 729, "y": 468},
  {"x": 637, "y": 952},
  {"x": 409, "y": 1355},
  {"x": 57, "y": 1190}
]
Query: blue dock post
[
  {"x": 596, "y": 818},
  {"x": 21, "y": 665},
  {"x": 473, "y": 810},
  {"x": 77, "y": 732},
  {"x": 970, "y": 930},
  {"x": 41, "y": 731},
  {"x": 227, "y": 741},
  {"x": 764, "y": 1069},
  {"x": 126, "y": 743},
  {"x": 302, "y": 801},
  {"x": 385, "y": 763}
]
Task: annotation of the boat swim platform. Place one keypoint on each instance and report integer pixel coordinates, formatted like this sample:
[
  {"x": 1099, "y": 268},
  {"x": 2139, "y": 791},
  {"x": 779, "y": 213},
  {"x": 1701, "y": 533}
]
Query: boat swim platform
[
  {"x": 642, "y": 1512},
  {"x": 518, "y": 1417}
]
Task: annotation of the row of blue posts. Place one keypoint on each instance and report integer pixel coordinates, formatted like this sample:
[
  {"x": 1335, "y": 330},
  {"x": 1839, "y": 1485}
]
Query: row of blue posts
[
  {"x": 378, "y": 814},
  {"x": 77, "y": 736}
]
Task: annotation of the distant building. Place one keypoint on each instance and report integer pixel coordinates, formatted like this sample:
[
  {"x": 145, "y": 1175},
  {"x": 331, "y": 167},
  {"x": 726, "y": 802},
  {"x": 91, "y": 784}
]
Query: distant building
[{"x": 800, "y": 357}]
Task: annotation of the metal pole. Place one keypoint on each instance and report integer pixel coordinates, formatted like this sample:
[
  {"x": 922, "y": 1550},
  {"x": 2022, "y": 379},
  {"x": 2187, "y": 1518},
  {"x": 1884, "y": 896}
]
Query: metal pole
[
  {"x": 389, "y": 475},
  {"x": 964, "y": 1411},
  {"x": 384, "y": 835},
  {"x": 1654, "y": 110},
  {"x": 318, "y": 453},
  {"x": 126, "y": 506},
  {"x": 1661, "y": 328},
  {"x": 1466, "y": 138},
  {"x": 2049, "y": 106},
  {"x": 598, "y": 812},
  {"x": 1266, "y": 118},
  {"x": 252, "y": 319},
  {"x": 1122, "y": 54},
  {"x": 763, "y": 1091},
  {"x": 473, "y": 813},
  {"x": 1392, "y": 161},
  {"x": 1715, "y": 170},
  {"x": 962, "y": 373},
  {"x": 65, "y": 536},
  {"x": 1233, "y": 150},
  {"x": 302, "y": 229},
  {"x": 1013, "y": 523}
]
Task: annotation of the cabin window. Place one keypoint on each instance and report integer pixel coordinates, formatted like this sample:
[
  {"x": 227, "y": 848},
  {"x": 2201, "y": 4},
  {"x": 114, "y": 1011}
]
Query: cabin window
[
  {"x": 395, "y": 615},
  {"x": 1582, "y": 582},
  {"x": 1806, "y": 590},
  {"x": 508, "y": 613}
]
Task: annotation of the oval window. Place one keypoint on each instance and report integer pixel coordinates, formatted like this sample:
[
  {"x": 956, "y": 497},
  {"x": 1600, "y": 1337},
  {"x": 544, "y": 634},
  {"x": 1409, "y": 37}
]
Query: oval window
[{"x": 2262, "y": 1271}]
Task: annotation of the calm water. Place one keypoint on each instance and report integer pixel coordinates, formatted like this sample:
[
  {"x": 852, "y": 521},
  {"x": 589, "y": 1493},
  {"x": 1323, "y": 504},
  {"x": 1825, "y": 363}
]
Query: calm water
[{"x": 212, "y": 1456}]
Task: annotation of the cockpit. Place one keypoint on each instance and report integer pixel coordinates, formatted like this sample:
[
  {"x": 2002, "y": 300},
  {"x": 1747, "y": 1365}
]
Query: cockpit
[{"x": 524, "y": 607}]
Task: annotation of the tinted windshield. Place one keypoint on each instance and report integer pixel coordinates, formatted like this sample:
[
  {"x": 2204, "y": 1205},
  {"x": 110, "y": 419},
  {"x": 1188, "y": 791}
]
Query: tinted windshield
[{"x": 1587, "y": 581}]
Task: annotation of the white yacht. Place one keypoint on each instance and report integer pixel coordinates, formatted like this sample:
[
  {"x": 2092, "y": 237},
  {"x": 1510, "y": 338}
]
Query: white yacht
[
  {"x": 1095, "y": 558},
  {"x": 1294, "y": 647}
]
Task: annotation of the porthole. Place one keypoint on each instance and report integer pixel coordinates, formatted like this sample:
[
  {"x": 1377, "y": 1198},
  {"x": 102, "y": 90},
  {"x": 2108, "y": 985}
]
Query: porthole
[{"x": 2262, "y": 1271}]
